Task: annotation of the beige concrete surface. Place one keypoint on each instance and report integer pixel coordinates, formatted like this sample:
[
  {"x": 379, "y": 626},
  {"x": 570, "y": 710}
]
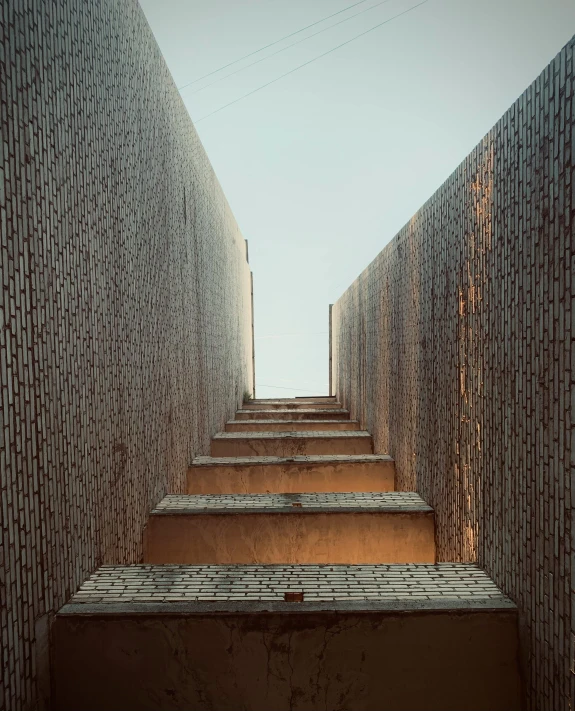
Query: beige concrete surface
[
  {"x": 230, "y": 537},
  {"x": 286, "y": 444},
  {"x": 464, "y": 660},
  {"x": 276, "y": 475},
  {"x": 291, "y": 425}
]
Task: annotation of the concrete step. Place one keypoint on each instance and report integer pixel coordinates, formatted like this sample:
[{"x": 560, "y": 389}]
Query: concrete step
[
  {"x": 364, "y": 638},
  {"x": 293, "y": 414},
  {"x": 315, "y": 397},
  {"x": 289, "y": 400},
  {"x": 290, "y": 405},
  {"x": 319, "y": 397},
  {"x": 291, "y": 425},
  {"x": 289, "y": 444},
  {"x": 260, "y": 475},
  {"x": 351, "y": 527}
]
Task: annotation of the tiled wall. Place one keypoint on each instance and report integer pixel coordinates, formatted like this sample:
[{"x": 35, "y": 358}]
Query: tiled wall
[
  {"x": 125, "y": 324},
  {"x": 456, "y": 348}
]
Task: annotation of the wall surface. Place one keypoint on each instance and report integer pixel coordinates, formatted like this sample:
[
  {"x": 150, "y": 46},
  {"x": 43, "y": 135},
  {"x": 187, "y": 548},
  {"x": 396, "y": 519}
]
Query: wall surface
[
  {"x": 125, "y": 324},
  {"x": 456, "y": 349}
]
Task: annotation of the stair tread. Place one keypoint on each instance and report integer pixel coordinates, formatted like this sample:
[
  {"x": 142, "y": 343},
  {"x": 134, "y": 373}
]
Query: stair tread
[
  {"x": 293, "y": 422},
  {"x": 296, "y": 459},
  {"x": 292, "y": 401},
  {"x": 382, "y": 586},
  {"x": 304, "y": 434},
  {"x": 278, "y": 404},
  {"x": 314, "y": 397},
  {"x": 346, "y": 502},
  {"x": 300, "y": 410}
]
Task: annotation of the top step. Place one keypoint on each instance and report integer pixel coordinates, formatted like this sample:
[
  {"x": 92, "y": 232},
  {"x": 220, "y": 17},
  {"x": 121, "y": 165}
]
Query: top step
[
  {"x": 294, "y": 414},
  {"x": 290, "y": 404},
  {"x": 313, "y": 398}
]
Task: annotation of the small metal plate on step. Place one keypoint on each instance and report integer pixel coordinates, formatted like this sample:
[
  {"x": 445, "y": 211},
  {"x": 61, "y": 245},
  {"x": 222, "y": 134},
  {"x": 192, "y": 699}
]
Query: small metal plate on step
[
  {"x": 293, "y": 596},
  {"x": 118, "y": 588}
]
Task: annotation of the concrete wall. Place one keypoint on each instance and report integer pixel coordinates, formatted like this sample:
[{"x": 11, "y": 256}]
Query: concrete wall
[
  {"x": 455, "y": 348},
  {"x": 335, "y": 659},
  {"x": 125, "y": 324}
]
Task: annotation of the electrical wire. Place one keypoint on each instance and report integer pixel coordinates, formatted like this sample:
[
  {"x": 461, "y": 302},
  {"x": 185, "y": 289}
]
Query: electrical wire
[
  {"x": 261, "y": 49},
  {"x": 279, "y": 51},
  {"x": 305, "y": 64}
]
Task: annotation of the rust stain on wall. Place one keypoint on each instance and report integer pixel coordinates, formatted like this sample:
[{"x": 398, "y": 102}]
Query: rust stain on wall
[{"x": 469, "y": 365}]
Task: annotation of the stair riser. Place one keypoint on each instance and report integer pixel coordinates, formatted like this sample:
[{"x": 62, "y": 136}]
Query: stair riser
[
  {"x": 247, "y": 426},
  {"x": 291, "y": 478},
  {"x": 276, "y": 538},
  {"x": 290, "y": 447},
  {"x": 424, "y": 661},
  {"x": 291, "y": 415}
]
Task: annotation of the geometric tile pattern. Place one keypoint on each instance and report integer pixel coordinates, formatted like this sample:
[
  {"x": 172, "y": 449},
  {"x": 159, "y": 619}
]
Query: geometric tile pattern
[
  {"x": 318, "y": 459},
  {"x": 172, "y": 583},
  {"x": 263, "y": 423},
  {"x": 338, "y": 412},
  {"x": 394, "y": 501},
  {"x": 306, "y": 434}
]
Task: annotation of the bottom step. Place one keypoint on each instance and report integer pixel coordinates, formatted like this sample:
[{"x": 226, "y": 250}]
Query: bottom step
[{"x": 354, "y": 638}]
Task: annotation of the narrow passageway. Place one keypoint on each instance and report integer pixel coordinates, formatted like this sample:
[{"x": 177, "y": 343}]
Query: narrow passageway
[
  {"x": 168, "y": 543},
  {"x": 291, "y": 575}
]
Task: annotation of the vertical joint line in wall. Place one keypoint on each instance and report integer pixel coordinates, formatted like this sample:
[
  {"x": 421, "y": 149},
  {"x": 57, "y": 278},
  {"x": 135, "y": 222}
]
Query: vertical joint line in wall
[
  {"x": 330, "y": 353},
  {"x": 253, "y": 333}
]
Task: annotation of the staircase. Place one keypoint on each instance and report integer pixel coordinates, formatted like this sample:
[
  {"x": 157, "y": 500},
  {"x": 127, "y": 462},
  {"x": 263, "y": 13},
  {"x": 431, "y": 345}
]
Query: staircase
[{"x": 291, "y": 577}]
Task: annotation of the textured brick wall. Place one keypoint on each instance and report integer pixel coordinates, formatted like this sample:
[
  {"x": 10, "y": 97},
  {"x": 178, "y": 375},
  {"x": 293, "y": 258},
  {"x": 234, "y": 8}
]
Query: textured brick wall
[
  {"x": 455, "y": 348},
  {"x": 125, "y": 314}
]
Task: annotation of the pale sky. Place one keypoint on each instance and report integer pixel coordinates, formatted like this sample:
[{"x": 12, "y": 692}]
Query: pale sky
[{"x": 325, "y": 166}]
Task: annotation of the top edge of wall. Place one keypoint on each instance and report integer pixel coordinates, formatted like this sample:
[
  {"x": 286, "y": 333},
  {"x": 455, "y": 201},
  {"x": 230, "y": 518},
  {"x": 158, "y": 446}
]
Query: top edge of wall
[{"x": 241, "y": 243}]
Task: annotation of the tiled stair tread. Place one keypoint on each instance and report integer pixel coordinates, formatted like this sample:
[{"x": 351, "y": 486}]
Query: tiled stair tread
[
  {"x": 314, "y": 397},
  {"x": 292, "y": 401},
  {"x": 444, "y": 585},
  {"x": 380, "y": 502},
  {"x": 299, "y": 410},
  {"x": 304, "y": 434},
  {"x": 296, "y": 459},
  {"x": 272, "y": 405},
  {"x": 263, "y": 423}
]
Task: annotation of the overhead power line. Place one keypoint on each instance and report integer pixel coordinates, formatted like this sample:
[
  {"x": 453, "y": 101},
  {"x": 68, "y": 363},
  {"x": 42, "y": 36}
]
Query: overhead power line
[
  {"x": 261, "y": 49},
  {"x": 305, "y": 64},
  {"x": 283, "y": 49}
]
